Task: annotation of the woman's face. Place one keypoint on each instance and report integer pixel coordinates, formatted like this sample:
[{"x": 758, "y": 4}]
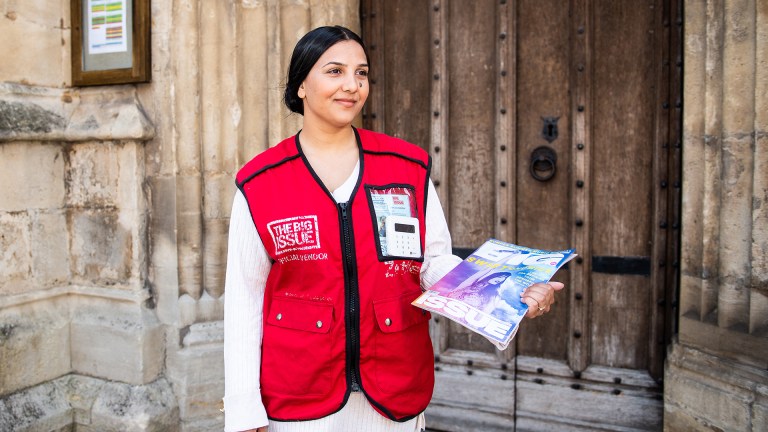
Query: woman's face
[
  {"x": 497, "y": 280},
  {"x": 336, "y": 87}
]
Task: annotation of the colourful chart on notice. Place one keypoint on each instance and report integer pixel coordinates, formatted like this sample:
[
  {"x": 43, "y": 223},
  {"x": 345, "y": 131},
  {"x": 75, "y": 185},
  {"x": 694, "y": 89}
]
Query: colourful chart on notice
[{"x": 106, "y": 26}]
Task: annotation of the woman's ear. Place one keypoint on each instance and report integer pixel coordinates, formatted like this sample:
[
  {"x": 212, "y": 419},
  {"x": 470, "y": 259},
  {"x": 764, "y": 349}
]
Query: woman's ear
[{"x": 301, "y": 93}]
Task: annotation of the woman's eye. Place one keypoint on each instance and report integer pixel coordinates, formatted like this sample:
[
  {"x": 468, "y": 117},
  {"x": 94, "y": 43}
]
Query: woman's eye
[
  {"x": 362, "y": 72},
  {"x": 335, "y": 71}
]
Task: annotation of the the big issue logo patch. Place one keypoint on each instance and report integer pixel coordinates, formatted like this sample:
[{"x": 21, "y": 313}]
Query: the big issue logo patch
[{"x": 296, "y": 233}]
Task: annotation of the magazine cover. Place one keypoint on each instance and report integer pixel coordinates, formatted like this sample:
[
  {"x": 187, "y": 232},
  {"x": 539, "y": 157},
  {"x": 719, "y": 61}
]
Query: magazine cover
[{"x": 483, "y": 292}]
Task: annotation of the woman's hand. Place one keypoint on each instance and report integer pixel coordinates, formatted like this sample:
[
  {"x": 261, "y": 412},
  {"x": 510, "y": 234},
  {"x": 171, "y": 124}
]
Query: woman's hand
[{"x": 539, "y": 297}]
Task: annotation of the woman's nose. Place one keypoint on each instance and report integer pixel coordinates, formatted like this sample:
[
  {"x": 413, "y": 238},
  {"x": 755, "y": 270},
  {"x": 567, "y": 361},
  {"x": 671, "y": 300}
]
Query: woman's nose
[{"x": 350, "y": 84}]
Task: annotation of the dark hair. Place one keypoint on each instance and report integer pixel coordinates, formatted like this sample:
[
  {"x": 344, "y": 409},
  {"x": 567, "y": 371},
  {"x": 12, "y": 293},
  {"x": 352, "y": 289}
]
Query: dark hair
[
  {"x": 306, "y": 53},
  {"x": 492, "y": 276}
]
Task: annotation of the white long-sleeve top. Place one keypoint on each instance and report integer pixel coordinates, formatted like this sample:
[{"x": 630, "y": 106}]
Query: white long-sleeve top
[{"x": 247, "y": 268}]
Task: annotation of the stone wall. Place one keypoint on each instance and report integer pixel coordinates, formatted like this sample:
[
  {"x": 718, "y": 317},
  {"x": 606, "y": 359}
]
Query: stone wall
[
  {"x": 36, "y": 36},
  {"x": 115, "y": 207},
  {"x": 717, "y": 371},
  {"x": 76, "y": 322}
]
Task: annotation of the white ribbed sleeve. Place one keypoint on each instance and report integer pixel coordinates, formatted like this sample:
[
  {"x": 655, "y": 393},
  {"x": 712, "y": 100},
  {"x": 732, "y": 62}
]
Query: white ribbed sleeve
[
  {"x": 438, "y": 257},
  {"x": 247, "y": 268}
]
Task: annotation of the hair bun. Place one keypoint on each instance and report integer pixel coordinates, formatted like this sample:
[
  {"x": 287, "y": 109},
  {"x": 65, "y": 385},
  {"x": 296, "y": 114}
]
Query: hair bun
[{"x": 293, "y": 101}]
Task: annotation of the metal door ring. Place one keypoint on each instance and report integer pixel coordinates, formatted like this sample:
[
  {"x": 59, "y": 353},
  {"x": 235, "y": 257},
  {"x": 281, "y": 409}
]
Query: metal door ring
[{"x": 543, "y": 163}]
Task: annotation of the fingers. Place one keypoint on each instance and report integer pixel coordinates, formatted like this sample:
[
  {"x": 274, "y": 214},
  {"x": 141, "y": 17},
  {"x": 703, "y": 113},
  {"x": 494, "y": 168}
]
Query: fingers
[
  {"x": 557, "y": 285},
  {"x": 539, "y": 297},
  {"x": 541, "y": 292},
  {"x": 533, "y": 307}
]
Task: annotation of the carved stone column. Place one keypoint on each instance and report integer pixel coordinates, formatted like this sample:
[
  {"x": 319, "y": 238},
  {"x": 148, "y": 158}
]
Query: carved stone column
[{"x": 717, "y": 371}]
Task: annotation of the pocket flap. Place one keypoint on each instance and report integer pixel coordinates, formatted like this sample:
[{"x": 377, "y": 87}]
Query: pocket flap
[
  {"x": 302, "y": 315},
  {"x": 397, "y": 314}
]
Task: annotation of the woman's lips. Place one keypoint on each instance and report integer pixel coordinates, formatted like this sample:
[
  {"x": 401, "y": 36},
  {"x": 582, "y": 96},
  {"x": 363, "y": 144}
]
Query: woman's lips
[{"x": 349, "y": 103}]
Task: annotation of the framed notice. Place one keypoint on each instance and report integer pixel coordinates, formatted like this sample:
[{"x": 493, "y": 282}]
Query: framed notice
[{"x": 110, "y": 42}]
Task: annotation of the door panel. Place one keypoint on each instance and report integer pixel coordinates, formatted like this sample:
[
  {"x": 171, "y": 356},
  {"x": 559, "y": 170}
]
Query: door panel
[
  {"x": 542, "y": 208},
  {"x": 482, "y": 85},
  {"x": 623, "y": 137},
  {"x": 398, "y": 82},
  {"x": 470, "y": 128},
  {"x": 620, "y": 329},
  {"x": 471, "y": 41}
]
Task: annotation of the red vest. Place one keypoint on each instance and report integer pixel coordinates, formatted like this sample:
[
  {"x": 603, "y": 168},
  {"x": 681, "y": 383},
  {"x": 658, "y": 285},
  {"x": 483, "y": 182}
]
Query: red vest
[{"x": 337, "y": 312}]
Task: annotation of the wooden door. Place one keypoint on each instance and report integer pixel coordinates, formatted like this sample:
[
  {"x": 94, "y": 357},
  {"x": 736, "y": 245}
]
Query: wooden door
[{"x": 492, "y": 87}]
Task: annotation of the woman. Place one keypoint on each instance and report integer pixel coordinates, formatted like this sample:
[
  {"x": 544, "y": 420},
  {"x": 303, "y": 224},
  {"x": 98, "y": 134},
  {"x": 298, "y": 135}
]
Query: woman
[
  {"x": 480, "y": 292},
  {"x": 319, "y": 331}
]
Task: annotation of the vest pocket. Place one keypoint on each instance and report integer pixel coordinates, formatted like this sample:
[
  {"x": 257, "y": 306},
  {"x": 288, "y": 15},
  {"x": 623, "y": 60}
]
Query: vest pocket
[
  {"x": 403, "y": 348},
  {"x": 296, "y": 348}
]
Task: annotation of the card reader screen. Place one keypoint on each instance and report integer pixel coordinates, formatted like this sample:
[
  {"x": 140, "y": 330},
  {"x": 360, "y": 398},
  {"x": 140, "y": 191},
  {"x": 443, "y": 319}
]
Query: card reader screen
[{"x": 405, "y": 228}]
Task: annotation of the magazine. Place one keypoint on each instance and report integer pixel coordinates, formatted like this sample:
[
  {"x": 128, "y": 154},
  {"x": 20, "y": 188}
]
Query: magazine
[{"x": 483, "y": 292}]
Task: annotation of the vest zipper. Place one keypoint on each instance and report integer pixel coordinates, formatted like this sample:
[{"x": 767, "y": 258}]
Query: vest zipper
[{"x": 352, "y": 301}]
